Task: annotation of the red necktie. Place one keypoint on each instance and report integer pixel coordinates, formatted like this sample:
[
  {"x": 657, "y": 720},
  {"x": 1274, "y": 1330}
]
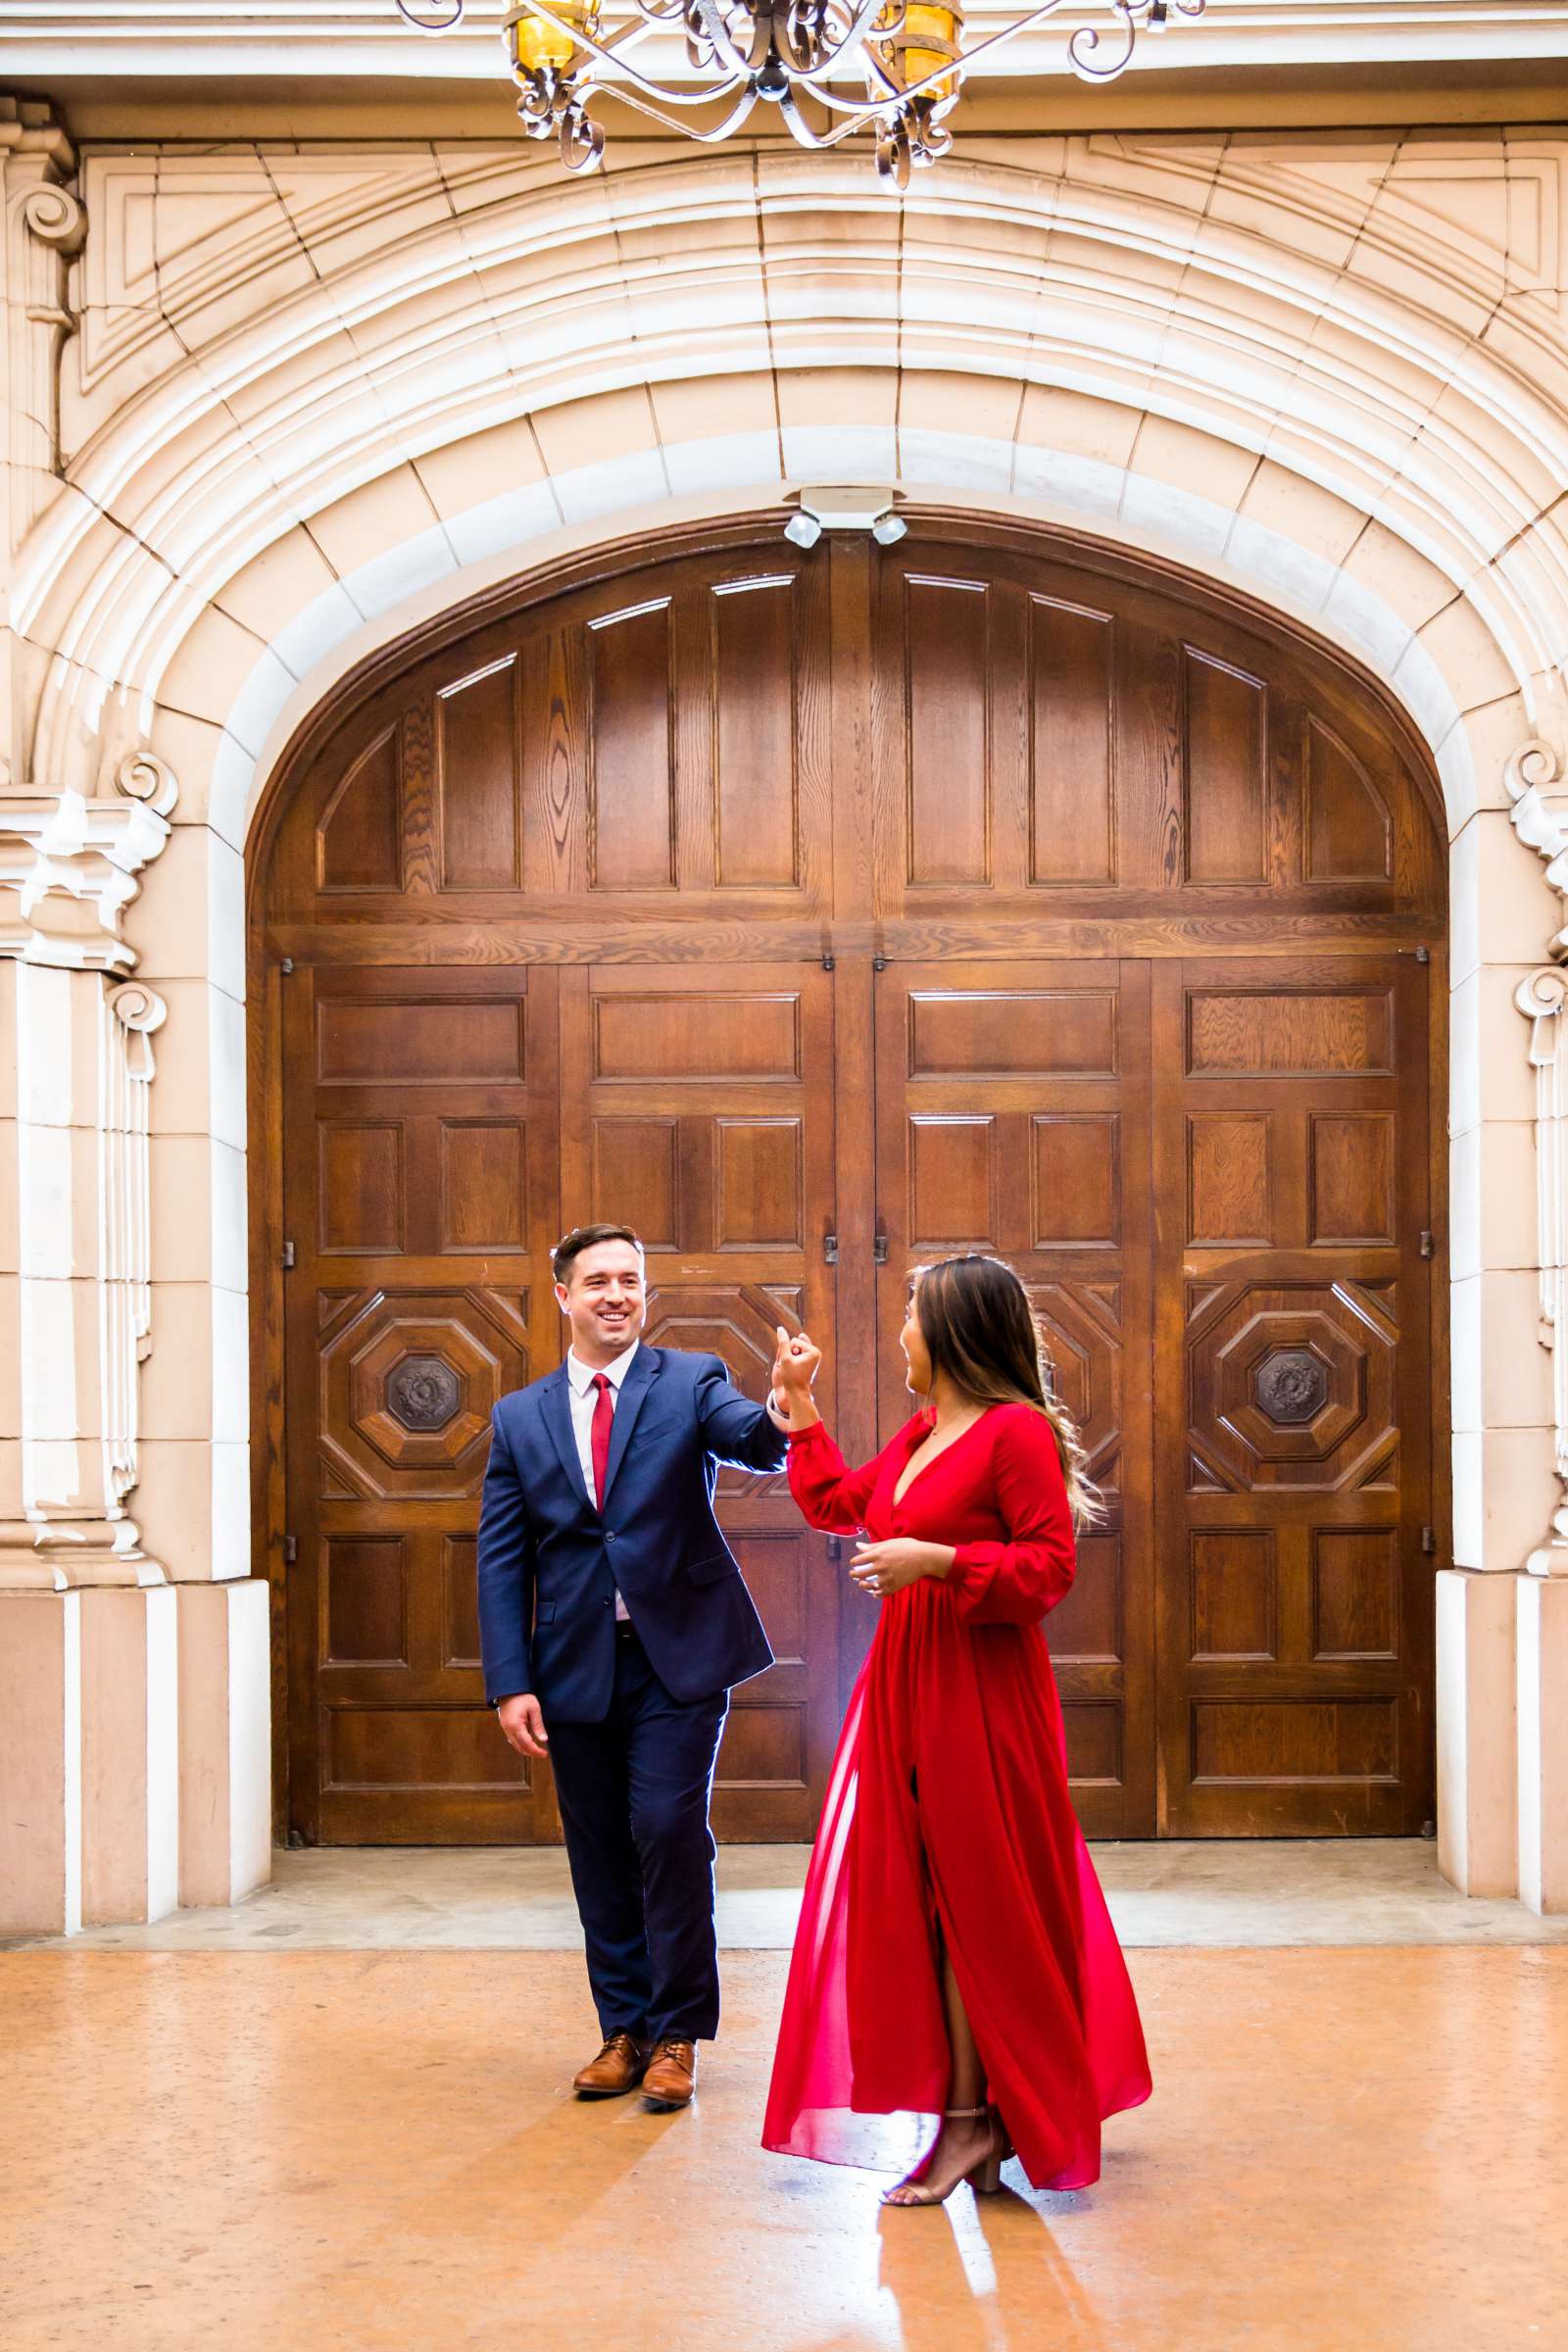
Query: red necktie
[{"x": 604, "y": 1419}]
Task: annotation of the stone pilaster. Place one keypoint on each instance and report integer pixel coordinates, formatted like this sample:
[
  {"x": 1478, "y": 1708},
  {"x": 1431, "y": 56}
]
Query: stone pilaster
[
  {"x": 135, "y": 1710},
  {"x": 1540, "y": 814},
  {"x": 76, "y": 1158},
  {"x": 41, "y": 226}
]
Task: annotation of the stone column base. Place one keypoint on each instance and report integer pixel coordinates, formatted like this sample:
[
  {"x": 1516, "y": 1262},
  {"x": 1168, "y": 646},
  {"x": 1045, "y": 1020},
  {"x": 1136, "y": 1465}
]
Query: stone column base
[
  {"x": 1542, "y": 1644},
  {"x": 225, "y": 1763},
  {"x": 135, "y": 1766},
  {"x": 1478, "y": 1849}
]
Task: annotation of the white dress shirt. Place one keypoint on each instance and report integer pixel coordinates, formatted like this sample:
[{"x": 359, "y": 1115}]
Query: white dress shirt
[{"x": 584, "y": 1398}]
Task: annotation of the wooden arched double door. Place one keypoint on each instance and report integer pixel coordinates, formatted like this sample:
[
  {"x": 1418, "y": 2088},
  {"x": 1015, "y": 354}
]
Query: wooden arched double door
[{"x": 820, "y": 914}]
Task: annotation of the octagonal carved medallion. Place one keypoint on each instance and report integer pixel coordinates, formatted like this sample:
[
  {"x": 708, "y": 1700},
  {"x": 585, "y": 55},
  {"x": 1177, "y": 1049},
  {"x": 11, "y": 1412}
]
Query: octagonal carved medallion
[
  {"x": 1292, "y": 1386},
  {"x": 422, "y": 1393},
  {"x": 408, "y": 1380}
]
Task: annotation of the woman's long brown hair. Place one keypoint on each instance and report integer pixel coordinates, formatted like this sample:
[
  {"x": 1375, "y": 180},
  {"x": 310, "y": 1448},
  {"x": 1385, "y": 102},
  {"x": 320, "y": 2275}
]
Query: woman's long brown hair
[{"x": 980, "y": 1330}]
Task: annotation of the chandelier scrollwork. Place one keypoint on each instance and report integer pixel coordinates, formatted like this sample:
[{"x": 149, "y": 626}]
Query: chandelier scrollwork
[{"x": 795, "y": 55}]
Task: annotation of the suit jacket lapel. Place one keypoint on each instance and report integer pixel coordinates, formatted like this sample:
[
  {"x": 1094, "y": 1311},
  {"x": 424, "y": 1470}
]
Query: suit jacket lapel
[
  {"x": 556, "y": 1404},
  {"x": 633, "y": 1389}
]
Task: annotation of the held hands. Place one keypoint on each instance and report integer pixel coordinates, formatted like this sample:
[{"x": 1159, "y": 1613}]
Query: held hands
[
  {"x": 883, "y": 1568},
  {"x": 521, "y": 1719}
]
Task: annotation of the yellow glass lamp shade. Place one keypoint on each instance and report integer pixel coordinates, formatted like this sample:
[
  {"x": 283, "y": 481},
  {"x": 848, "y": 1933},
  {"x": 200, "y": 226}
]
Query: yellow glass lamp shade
[
  {"x": 930, "y": 42},
  {"x": 536, "y": 45}
]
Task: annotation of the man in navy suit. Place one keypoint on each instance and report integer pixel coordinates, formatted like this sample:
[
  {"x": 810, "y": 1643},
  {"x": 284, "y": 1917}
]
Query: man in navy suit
[{"x": 614, "y": 1621}]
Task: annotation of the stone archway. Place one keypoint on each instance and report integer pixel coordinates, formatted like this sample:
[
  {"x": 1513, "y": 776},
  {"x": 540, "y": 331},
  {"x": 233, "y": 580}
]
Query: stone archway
[
  {"x": 1274, "y": 361},
  {"x": 669, "y": 799}
]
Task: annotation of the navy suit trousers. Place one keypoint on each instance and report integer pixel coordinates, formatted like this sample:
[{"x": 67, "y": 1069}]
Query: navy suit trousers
[{"x": 634, "y": 1792}]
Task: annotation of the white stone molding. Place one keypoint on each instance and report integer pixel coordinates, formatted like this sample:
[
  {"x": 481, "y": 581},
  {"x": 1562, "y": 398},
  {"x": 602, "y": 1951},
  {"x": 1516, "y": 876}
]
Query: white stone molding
[
  {"x": 1540, "y": 817},
  {"x": 85, "y": 1331},
  {"x": 44, "y": 225},
  {"x": 82, "y": 1165},
  {"x": 1541, "y": 999},
  {"x": 125, "y": 1275},
  {"x": 69, "y": 865},
  {"x": 1391, "y": 337},
  {"x": 1538, "y": 796},
  {"x": 40, "y": 225},
  {"x": 83, "y": 1057}
]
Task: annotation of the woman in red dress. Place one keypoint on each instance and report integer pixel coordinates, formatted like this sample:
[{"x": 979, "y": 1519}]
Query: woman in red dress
[{"x": 955, "y": 1961}]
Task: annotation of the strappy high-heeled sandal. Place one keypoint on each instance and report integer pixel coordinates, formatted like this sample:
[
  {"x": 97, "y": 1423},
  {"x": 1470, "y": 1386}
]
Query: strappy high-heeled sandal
[{"x": 984, "y": 2178}]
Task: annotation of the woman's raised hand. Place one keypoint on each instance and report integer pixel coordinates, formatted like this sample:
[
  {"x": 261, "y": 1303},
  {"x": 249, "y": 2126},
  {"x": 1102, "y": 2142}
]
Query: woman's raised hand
[{"x": 794, "y": 1364}]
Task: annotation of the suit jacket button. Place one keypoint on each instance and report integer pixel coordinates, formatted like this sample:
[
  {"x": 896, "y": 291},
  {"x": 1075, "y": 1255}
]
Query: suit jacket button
[{"x": 609, "y": 1535}]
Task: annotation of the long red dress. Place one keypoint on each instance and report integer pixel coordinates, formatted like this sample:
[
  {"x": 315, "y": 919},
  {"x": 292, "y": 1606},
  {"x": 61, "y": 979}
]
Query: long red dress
[{"x": 947, "y": 1814}]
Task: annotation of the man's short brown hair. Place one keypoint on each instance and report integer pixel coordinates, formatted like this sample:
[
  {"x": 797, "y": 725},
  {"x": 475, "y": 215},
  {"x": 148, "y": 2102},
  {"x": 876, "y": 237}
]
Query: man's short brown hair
[{"x": 585, "y": 1237}]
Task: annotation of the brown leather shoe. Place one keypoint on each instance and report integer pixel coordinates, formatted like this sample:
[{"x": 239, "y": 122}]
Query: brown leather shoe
[
  {"x": 671, "y": 2074},
  {"x": 620, "y": 2067}
]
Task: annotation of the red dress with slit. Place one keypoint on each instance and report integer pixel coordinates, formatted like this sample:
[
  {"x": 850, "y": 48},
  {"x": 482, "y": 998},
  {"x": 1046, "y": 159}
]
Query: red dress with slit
[{"x": 948, "y": 1821}]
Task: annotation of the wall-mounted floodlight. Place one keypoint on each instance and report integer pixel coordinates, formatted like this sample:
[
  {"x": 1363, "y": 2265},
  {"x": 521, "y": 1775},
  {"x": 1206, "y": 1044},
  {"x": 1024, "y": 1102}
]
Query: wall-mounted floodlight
[{"x": 845, "y": 507}]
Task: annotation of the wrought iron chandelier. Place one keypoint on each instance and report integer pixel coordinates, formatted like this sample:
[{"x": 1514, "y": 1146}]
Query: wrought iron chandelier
[{"x": 795, "y": 55}]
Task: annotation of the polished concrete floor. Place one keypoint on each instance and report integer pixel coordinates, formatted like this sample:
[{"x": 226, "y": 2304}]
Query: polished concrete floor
[
  {"x": 1348, "y": 2150},
  {"x": 1214, "y": 1893}
]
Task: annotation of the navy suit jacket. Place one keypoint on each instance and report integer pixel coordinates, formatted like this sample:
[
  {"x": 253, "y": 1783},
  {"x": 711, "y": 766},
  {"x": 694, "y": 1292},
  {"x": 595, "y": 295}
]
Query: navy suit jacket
[{"x": 550, "y": 1563}]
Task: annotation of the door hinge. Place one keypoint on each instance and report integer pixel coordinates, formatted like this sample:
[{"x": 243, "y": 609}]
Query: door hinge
[
  {"x": 1429, "y": 1539},
  {"x": 1423, "y": 955},
  {"x": 288, "y": 1258},
  {"x": 830, "y": 963},
  {"x": 830, "y": 1248},
  {"x": 879, "y": 963},
  {"x": 291, "y": 1550},
  {"x": 1426, "y": 1244},
  {"x": 286, "y": 966},
  {"x": 879, "y": 1249}
]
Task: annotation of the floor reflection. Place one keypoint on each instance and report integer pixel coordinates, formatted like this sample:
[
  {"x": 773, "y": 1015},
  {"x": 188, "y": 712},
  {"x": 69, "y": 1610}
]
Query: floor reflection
[
  {"x": 984, "y": 2275},
  {"x": 380, "y": 2153}
]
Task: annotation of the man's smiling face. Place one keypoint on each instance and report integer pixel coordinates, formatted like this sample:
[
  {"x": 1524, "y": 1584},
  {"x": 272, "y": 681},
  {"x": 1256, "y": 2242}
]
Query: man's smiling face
[{"x": 603, "y": 1299}]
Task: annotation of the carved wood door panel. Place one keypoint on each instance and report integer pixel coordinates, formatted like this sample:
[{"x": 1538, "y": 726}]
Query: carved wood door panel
[
  {"x": 420, "y": 1196},
  {"x": 1013, "y": 1116},
  {"x": 992, "y": 889},
  {"x": 1293, "y": 1375},
  {"x": 700, "y": 1105}
]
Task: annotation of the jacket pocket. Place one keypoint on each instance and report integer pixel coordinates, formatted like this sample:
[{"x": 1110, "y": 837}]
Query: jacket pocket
[{"x": 713, "y": 1570}]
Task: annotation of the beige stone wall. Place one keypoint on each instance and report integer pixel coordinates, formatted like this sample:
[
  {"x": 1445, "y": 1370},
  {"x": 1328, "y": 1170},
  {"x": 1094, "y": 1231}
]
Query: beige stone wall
[{"x": 296, "y": 400}]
